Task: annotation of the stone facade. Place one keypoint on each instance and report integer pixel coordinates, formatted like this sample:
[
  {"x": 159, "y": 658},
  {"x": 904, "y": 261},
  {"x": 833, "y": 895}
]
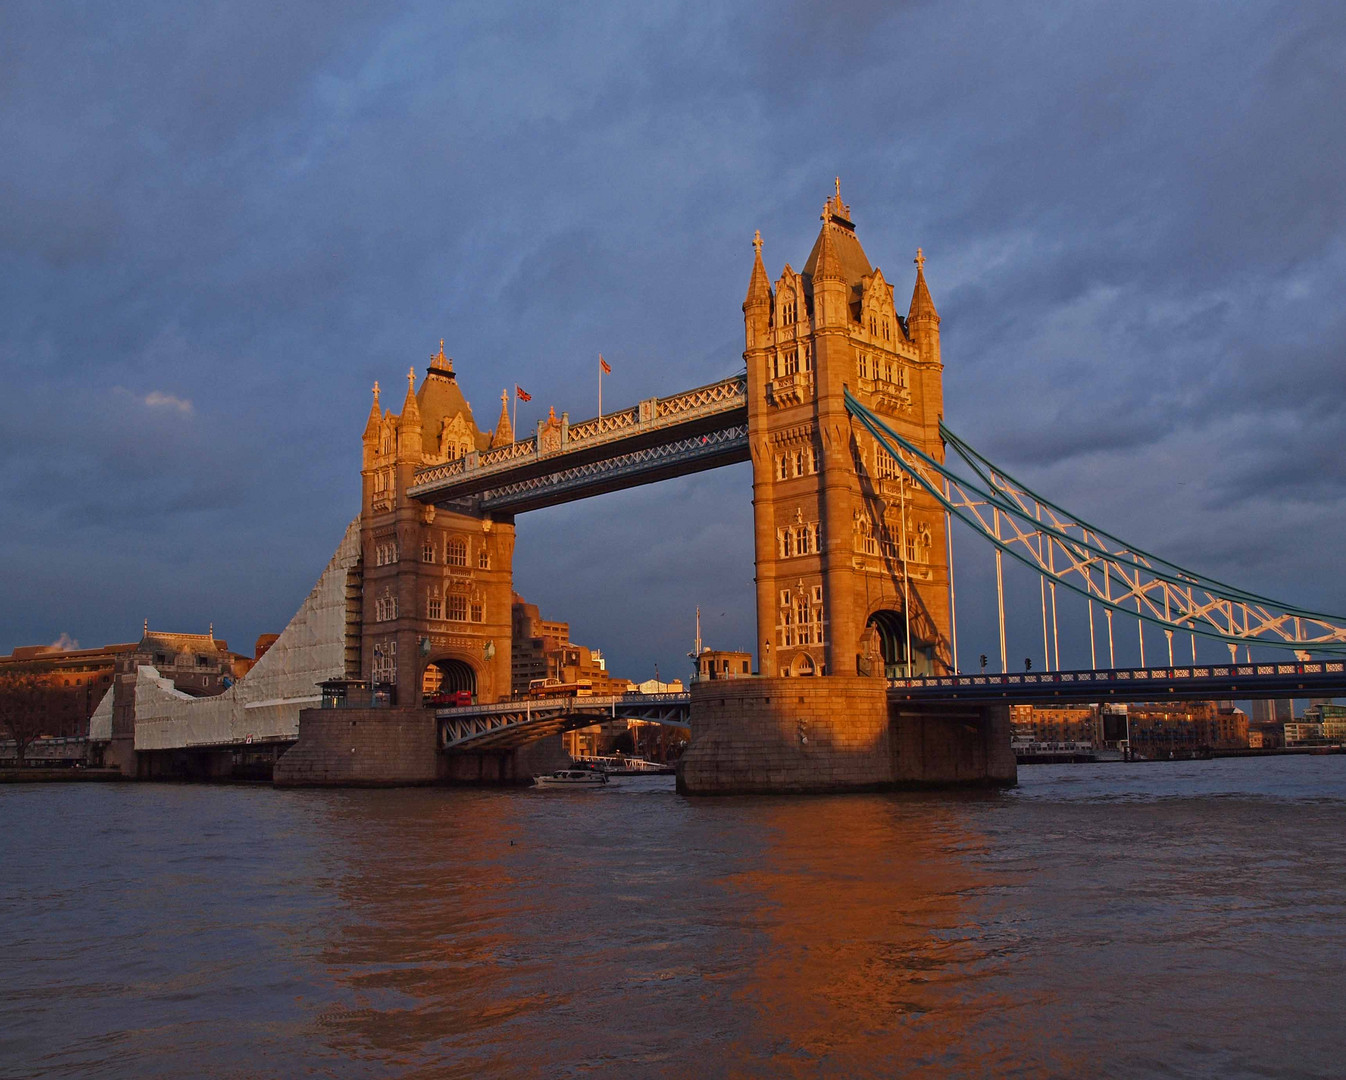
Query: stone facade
[
  {"x": 837, "y": 528},
  {"x": 835, "y": 733},
  {"x": 360, "y": 747},
  {"x": 435, "y": 586},
  {"x": 387, "y": 747}
]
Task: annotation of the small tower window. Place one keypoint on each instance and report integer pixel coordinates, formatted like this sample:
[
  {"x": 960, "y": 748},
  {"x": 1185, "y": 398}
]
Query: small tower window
[
  {"x": 428, "y": 551},
  {"x": 455, "y": 551},
  {"x": 783, "y": 467},
  {"x": 483, "y": 557}
]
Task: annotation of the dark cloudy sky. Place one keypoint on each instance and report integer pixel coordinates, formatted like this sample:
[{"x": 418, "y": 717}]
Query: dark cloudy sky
[{"x": 221, "y": 222}]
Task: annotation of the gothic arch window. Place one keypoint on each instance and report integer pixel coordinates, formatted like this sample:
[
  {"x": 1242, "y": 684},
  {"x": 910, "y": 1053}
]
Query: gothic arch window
[{"x": 455, "y": 551}]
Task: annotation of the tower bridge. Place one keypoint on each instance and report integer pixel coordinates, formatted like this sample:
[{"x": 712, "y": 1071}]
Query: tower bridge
[{"x": 840, "y": 412}]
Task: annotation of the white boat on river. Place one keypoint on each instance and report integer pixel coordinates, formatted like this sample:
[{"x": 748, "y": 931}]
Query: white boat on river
[{"x": 563, "y": 778}]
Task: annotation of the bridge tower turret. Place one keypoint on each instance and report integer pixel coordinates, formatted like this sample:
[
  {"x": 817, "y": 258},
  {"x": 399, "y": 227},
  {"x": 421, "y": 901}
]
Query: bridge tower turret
[
  {"x": 848, "y": 554},
  {"x": 436, "y": 585}
]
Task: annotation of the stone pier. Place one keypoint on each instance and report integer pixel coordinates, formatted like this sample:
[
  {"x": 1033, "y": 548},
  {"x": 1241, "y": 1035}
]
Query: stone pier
[
  {"x": 837, "y": 733},
  {"x": 397, "y": 747}
]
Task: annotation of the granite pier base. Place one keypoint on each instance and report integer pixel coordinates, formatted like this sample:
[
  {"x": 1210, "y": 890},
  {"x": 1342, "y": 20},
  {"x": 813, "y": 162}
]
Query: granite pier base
[
  {"x": 834, "y": 734},
  {"x": 395, "y": 748}
]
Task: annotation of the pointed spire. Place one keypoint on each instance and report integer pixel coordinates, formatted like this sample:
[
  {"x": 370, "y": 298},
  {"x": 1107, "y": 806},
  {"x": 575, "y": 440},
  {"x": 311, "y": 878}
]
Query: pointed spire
[
  {"x": 835, "y": 208},
  {"x": 759, "y": 285},
  {"x": 922, "y": 306},
  {"x": 411, "y": 412},
  {"x": 375, "y": 415},
  {"x": 504, "y": 431},
  {"x": 828, "y": 266}
]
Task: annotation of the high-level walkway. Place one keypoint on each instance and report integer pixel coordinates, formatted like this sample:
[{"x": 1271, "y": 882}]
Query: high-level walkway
[{"x": 659, "y": 438}]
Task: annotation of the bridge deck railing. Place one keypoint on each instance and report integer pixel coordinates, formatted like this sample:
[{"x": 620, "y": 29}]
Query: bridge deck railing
[{"x": 1121, "y": 675}]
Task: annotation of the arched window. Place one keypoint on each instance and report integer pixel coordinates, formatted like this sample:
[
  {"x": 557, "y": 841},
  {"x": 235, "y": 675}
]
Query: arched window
[
  {"x": 783, "y": 467},
  {"x": 799, "y": 462},
  {"x": 455, "y": 551}
]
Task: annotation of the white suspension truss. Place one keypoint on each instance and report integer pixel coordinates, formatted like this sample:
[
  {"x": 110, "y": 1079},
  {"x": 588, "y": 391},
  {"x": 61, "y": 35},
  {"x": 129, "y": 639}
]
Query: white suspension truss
[{"x": 1094, "y": 563}]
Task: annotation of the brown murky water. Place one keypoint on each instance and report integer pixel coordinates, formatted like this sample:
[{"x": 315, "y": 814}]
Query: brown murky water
[{"x": 1182, "y": 919}]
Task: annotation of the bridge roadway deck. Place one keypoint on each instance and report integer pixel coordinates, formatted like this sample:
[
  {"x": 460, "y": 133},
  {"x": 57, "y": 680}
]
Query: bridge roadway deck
[
  {"x": 508, "y": 724},
  {"x": 689, "y": 432},
  {"x": 1220, "y": 682}
]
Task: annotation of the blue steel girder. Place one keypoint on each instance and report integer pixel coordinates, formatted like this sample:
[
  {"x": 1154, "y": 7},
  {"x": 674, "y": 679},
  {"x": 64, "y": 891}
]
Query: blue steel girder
[
  {"x": 1110, "y": 572},
  {"x": 684, "y": 433},
  {"x": 680, "y": 457},
  {"x": 510, "y": 724},
  {"x": 1312, "y": 678}
]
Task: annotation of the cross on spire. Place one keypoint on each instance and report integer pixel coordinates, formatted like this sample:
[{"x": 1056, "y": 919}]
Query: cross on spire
[
  {"x": 411, "y": 379},
  {"x": 757, "y": 240},
  {"x": 919, "y": 260},
  {"x": 376, "y": 391}
]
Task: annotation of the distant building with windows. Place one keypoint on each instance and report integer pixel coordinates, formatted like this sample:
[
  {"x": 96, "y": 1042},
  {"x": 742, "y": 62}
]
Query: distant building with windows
[
  {"x": 723, "y": 664},
  {"x": 1056, "y": 723},
  {"x": 76, "y": 681}
]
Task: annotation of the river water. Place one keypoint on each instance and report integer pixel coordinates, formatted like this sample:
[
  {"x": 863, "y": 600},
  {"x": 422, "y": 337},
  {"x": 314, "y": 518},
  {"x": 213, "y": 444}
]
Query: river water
[{"x": 1175, "y": 919}]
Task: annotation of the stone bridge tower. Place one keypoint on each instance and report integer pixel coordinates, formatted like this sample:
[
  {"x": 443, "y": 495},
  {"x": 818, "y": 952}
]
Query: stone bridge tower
[
  {"x": 841, "y": 538},
  {"x": 434, "y": 590}
]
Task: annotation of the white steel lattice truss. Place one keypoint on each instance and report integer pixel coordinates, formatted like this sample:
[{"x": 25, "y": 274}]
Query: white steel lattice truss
[{"x": 1117, "y": 575}]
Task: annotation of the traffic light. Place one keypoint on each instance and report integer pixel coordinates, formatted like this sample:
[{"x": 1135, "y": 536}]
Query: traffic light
[
  {"x": 1028, "y": 663},
  {"x": 983, "y": 662}
]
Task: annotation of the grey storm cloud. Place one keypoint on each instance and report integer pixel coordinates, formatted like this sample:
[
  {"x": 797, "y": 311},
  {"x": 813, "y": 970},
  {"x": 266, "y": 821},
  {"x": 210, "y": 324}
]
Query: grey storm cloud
[{"x": 223, "y": 222}]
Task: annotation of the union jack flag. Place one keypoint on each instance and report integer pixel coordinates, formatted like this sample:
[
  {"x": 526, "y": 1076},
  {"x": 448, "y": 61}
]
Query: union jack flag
[
  {"x": 521, "y": 393},
  {"x": 607, "y": 368}
]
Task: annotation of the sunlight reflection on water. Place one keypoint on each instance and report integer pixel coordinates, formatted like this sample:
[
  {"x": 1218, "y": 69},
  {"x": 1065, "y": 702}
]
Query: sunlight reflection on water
[{"x": 1178, "y": 919}]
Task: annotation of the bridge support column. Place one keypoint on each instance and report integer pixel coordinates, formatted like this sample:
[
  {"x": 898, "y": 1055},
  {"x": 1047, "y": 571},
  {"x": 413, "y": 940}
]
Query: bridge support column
[
  {"x": 361, "y": 748},
  {"x": 834, "y": 734}
]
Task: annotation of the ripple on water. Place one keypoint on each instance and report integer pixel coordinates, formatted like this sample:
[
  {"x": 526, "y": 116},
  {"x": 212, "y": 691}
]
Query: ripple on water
[{"x": 1180, "y": 919}]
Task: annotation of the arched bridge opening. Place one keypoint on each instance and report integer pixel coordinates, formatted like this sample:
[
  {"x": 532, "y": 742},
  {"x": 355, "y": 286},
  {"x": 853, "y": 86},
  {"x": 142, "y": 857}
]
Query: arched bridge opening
[{"x": 446, "y": 680}]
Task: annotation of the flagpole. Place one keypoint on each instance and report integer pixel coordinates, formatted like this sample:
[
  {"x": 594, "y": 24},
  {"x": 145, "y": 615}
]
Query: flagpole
[
  {"x": 600, "y": 386},
  {"x": 516, "y": 412}
]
